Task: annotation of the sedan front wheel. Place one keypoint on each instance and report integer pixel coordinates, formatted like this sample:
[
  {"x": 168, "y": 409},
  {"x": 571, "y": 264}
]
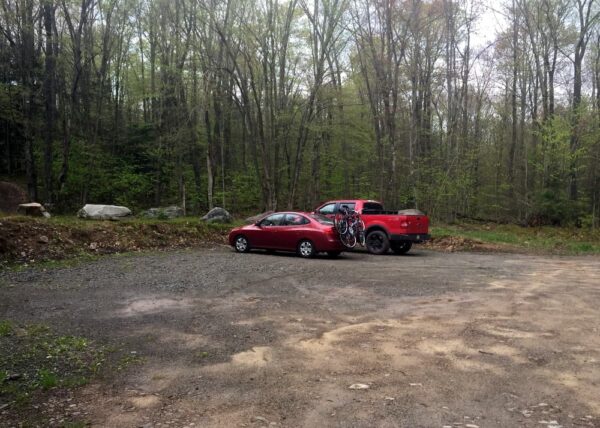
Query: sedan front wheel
[{"x": 241, "y": 244}]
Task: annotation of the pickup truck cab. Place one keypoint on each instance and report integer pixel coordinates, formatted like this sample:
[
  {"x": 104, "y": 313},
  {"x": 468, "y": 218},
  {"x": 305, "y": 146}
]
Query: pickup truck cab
[{"x": 397, "y": 230}]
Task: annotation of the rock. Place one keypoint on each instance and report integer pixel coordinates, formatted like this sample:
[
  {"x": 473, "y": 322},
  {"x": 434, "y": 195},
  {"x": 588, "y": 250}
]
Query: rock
[
  {"x": 103, "y": 212},
  {"x": 33, "y": 209},
  {"x": 255, "y": 218},
  {"x": 172, "y": 211},
  {"x": 11, "y": 196},
  {"x": 260, "y": 419},
  {"x": 43, "y": 239},
  {"x": 359, "y": 386},
  {"x": 410, "y": 212},
  {"x": 93, "y": 246},
  {"x": 471, "y": 426},
  {"x": 217, "y": 215}
]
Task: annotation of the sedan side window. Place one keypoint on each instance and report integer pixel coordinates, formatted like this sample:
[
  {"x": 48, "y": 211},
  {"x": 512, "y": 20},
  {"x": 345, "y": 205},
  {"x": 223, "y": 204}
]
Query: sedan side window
[
  {"x": 295, "y": 220},
  {"x": 273, "y": 220},
  {"x": 327, "y": 209}
]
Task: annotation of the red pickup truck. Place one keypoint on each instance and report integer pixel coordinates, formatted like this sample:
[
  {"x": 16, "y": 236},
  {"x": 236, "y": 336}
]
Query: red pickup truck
[{"x": 397, "y": 230}]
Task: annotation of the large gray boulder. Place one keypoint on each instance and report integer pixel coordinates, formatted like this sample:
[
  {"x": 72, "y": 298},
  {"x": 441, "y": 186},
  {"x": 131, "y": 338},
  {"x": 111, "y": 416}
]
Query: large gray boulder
[
  {"x": 103, "y": 212},
  {"x": 410, "y": 211},
  {"x": 255, "y": 218},
  {"x": 33, "y": 209},
  {"x": 165, "y": 212},
  {"x": 217, "y": 215}
]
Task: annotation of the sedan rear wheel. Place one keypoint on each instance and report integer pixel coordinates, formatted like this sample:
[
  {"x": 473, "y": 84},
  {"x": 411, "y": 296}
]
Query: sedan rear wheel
[
  {"x": 241, "y": 244},
  {"x": 306, "y": 249}
]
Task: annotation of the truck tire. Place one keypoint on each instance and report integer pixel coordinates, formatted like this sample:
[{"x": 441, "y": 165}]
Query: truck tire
[
  {"x": 401, "y": 247},
  {"x": 378, "y": 242}
]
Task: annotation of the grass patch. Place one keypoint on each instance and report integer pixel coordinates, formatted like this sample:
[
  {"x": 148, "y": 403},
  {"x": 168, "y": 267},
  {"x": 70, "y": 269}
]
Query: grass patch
[
  {"x": 129, "y": 360},
  {"x": 555, "y": 240},
  {"x": 6, "y": 328},
  {"x": 34, "y": 358}
]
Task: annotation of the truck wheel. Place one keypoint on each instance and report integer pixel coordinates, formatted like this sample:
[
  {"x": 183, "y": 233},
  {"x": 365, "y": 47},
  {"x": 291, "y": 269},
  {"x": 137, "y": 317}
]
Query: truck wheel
[
  {"x": 378, "y": 242},
  {"x": 401, "y": 247}
]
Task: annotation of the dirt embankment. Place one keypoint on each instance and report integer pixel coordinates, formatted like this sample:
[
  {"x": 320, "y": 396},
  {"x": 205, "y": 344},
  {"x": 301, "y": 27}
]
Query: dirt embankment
[
  {"x": 25, "y": 240},
  {"x": 459, "y": 243}
]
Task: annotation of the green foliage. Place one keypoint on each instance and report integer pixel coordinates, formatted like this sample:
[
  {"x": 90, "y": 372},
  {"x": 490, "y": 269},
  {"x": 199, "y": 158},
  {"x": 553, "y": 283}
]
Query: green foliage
[
  {"x": 553, "y": 162},
  {"x": 105, "y": 179},
  {"x": 243, "y": 191},
  {"x": 147, "y": 118}
]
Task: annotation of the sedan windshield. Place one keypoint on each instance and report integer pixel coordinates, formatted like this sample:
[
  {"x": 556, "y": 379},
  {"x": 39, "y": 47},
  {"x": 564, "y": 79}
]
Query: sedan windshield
[{"x": 322, "y": 219}]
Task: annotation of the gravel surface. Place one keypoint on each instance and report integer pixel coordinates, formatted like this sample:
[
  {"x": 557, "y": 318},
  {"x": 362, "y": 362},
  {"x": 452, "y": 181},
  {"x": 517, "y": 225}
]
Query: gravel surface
[{"x": 226, "y": 339}]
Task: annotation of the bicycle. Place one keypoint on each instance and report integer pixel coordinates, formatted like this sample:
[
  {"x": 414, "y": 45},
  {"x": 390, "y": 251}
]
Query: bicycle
[{"x": 350, "y": 227}]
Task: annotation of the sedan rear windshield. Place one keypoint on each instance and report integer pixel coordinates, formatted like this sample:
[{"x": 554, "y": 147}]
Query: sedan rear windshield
[{"x": 322, "y": 219}]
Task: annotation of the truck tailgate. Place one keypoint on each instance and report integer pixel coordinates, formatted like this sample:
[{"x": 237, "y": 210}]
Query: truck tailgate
[{"x": 414, "y": 223}]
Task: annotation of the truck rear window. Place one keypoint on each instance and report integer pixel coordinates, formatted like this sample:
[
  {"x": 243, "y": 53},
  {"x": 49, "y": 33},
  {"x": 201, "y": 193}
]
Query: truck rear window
[
  {"x": 349, "y": 205},
  {"x": 372, "y": 207}
]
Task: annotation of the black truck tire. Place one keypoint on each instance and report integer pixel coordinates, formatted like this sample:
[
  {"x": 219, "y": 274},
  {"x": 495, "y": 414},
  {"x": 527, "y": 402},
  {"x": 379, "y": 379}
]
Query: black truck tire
[
  {"x": 401, "y": 247},
  {"x": 378, "y": 242}
]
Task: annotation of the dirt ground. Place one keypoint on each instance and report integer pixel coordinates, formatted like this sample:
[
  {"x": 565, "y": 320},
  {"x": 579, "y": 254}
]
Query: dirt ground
[{"x": 225, "y": 339}]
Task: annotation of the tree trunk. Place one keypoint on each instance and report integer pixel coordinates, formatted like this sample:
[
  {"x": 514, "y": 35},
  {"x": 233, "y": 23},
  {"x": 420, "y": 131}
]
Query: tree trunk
[
  {"x": 49, "y": 99},
  {"x": 27, "y": 64}
]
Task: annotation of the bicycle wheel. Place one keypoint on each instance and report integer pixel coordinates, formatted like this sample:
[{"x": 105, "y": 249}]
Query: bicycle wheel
[
  {"x": 340, "y": 223},
  {"x": 348, "y": 240}
]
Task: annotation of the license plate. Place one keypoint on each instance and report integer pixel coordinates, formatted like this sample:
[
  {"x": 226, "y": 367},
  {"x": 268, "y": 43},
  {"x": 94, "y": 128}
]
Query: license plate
[{"x": 418, "y": 236}]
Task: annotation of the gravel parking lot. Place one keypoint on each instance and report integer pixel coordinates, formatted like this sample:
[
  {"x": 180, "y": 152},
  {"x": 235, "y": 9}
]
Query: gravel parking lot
[{"x": 226, "y": 339}]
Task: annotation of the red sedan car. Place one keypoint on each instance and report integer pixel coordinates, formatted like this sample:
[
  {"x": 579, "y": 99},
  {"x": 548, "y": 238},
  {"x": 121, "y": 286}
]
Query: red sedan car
[{"x": 303, "y": 233}]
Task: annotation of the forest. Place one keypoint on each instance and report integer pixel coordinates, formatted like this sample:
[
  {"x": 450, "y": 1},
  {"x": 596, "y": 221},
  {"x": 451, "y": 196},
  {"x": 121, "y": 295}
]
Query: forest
[{"x": 279, "y": 104}]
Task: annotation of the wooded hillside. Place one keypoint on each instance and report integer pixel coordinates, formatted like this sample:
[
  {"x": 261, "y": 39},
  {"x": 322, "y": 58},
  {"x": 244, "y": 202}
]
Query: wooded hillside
[{"x": 274, "y": 104}]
